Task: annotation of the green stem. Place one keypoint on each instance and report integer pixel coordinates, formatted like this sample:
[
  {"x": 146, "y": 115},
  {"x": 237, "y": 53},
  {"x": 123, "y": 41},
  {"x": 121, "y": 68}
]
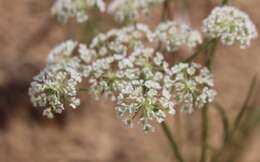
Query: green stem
[
  {"x": 197, "y": 52},
  {"x": 83, "y": 90},
  {"x": 204, "y": 136},
  {"x": 245, "y": 104},
  {"x": 225, "y": 121},
  {"x": 230, "y": 141},
  {"x": 204, "y": 45},
  {"x": 224, "y": 2},
  {"x": 211, "y": 53},
  {"x": 166, "y": 11},
  {"x": 166, "y": 15},
  {"x": 172, "y": 141},
  {"x": 211, "y": 49}
]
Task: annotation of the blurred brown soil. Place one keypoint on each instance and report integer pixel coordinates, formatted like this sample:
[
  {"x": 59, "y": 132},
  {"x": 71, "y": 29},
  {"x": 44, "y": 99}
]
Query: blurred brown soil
[{"x": 93, "y": 133}]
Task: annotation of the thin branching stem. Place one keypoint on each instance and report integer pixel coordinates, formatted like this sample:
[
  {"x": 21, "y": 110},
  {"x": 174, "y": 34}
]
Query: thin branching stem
[
  {"x": 204, "y": 45},
  {"x": 172, "y": 141},
  {"x": 217, "y": 155},
  {"x": 211, "y": 53},
  {"x": 211, "y": 50},
  {"x": 225, "y": 2},
  {"x": 166, "y": 11},
  {"x": 226, "y": 128},
  {"x": 166, "y": 15},
  {"x": 204, "y": 136},
  {"x": 83, "y": 89},
  {"x": 198, "y": 51},
  {"x": 245, "y": 104}
]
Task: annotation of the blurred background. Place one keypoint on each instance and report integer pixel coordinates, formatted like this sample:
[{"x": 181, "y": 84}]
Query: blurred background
[{"x": 93, "y": 133}]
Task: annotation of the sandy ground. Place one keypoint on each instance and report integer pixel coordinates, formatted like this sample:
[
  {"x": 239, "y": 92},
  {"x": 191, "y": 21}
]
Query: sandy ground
[{"x": 93, "y": 133}]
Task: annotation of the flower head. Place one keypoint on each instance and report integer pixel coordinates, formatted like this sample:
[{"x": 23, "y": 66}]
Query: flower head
[
  {"x": 62, "y": 52},
  {"x": 104, "y": 77},
  {"x": 65, "y": 9},
  {"x": 193, "y": 86},
  {"x": 173, "y": 35},
  {"x": 112, "y": 47},
  {"x": 230, "y": 25},
  {"x": 131, "y": 9},
  {"x": 56, "y": 85},
  {"x": 119, "y": 41},
  {"x": 53, "y": 87},
  {"x": 124, "y": 65},
  {"x": 72, "y": 54},
  {"x": 143, "y": 95}
]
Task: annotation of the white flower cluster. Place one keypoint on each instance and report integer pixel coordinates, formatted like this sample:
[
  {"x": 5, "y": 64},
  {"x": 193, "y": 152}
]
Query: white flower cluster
[
  {"x": 74, "y": 55},
  {"x": 53, "y": 87},
  {"x": 104, "y": 77},
  {"x": 230, "y": 25},
  {"x": 62, "y": 53},
  {"x": 131, "y": 9},
  {"x": 121, "y": 9},
  {"x": 123, "y": 65},
  {"x": 110, "y": 48},
  {"x": 64, "y": 9},
  {"x": 172, "y": 35},
  {"x": 56, "y": 84},
  {"x": 193, "y": 86},
  {"x": 132, "y": 74},
  {"x": 118, "y": 41},
  {"x": 143, "y": 92}
]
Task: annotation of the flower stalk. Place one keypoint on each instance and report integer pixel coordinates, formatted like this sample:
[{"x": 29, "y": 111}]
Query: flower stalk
[
  {"x": 204, "y": 135},
  {"x": 172, "y": 141},
  {"x": 211, "y": 50},
  {"x": 225, "y": 2}
]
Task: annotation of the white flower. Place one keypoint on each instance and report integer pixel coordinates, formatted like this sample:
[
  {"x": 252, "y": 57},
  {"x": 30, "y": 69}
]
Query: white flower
[
  {"x": 117, "y": 42},
  {"x": 124, "y": 65},
  {"x": 56, "y": 85},
  {"x": 152, "y": 84},
  {"x": 112, "y": 48},
  {"x": 86, "y": 54},
  {"x": 53, "y": 87},
  {"x": 62, "y": 52},
  {"x": 73, "y": 54},
  {"x": 193, "y": 86},
  {"x": 143, "y": 96},
  {"x": 131, "y": 9},
  {"x": 64, "y": 9},
  {"x": 230, "y": 25},
  {"x": 173, "y": 35},
  {"x": 104, "y": 77},
  {"x": 66, "y": 55}
]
